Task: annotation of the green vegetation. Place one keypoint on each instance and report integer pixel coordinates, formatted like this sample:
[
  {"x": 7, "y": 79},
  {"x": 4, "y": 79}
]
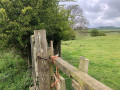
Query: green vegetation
[
  {"x": 103, "y": 52},
  {"x": 101, "y": 33},
  {"x": 14, "y": 74},
  {"x": 19, "y": 18},
  {"x": 96, "y": 32},
  {"x": 109, "y": 28}
]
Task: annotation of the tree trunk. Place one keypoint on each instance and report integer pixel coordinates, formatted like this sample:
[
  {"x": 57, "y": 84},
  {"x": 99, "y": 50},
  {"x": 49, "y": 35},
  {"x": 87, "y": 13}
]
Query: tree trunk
[{"x": 57, "y": 48}]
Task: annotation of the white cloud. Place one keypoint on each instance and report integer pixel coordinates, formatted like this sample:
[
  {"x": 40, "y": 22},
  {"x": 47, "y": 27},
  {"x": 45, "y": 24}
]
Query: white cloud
[{"x": 100, "y": 12}]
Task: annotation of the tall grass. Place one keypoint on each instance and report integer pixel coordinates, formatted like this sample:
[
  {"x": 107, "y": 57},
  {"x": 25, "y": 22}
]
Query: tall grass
[{"x": 14, "y": 74}]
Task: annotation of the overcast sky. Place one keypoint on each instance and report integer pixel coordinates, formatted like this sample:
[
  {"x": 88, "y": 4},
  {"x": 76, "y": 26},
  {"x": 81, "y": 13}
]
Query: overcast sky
[{"x": 100, "y": 12}]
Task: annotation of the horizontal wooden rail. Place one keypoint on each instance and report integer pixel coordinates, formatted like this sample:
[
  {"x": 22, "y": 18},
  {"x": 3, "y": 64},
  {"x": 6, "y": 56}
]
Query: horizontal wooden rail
[
  {"x": 81, "y": 80},
  {"x": 86, "y": 81}
]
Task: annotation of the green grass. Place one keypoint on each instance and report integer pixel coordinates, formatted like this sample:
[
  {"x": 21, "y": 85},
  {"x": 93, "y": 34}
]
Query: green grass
[
  {"x": 14, "y": 74},
  {"x": 103, "y": 53}
]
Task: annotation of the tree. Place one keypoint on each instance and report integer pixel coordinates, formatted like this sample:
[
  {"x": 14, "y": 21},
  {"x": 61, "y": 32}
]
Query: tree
[
  {"x": 20, "y": 17},
  {"x": 75, "y": 14},
  {"x": 95, "y": 32}
]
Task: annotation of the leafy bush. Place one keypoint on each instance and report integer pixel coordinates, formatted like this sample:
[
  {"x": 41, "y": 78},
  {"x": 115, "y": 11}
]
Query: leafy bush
[
  {"x": 101, "y": 33},
  {"x": 19, "y": 18},
  {"x": 96, "y": 32}
]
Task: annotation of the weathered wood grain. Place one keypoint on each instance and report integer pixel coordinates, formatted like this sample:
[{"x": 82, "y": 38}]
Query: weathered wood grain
[
  {"x": 51, "y": 66},
  {"x": 83, "y": 64},
  {"x": 62, "y": 83},
  {"x": 76, "y": 85},
  {"x": 32, "y": 88},
  {"x": 50, "y": 53},
  {"x": 33, "y": 60},
  {"x": 86, "y": 81},
  {"x": 42, "y": 58}
]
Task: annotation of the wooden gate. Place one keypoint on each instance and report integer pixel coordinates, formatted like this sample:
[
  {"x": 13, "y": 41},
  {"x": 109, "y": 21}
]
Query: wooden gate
[{"x": 43, "y": 60}]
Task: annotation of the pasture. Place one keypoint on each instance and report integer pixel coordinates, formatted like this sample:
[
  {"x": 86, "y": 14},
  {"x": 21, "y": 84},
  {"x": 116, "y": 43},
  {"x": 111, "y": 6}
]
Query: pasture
[{"x": 103, "y": 53}]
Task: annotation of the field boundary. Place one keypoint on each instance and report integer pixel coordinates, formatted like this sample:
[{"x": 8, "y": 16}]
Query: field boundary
[{"x": 43, "y": 60}]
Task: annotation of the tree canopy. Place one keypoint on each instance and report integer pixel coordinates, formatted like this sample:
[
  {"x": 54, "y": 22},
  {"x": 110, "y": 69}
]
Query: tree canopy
[
  {"x": 19, "y": 18},
  {"x": 75, "y": 14}
]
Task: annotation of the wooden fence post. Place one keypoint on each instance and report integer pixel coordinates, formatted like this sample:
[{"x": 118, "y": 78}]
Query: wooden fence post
[
  {"x": 83, "y": 64},
  {"x": 32, "y": 55},
  {"x": 51, "y": 53},
  {"x": 42, "y": 58},
  {"x": 34, "y": 62},
  {"x": 62, "y": 83}
]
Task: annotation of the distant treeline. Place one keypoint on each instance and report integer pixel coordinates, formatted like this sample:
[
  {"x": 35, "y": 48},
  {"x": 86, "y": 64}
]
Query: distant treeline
[
  {"x": 104, "y": 30},
  {"x": 107, "y": 28}
]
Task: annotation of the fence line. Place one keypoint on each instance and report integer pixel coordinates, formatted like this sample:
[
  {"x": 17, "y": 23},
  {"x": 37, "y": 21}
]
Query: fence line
[{"x": 42, "y": 68}]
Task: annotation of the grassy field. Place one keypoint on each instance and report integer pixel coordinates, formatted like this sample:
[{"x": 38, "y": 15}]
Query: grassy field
[
  {"x": 14, "y": 74},
  {"x": 103, "y": 53}
]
